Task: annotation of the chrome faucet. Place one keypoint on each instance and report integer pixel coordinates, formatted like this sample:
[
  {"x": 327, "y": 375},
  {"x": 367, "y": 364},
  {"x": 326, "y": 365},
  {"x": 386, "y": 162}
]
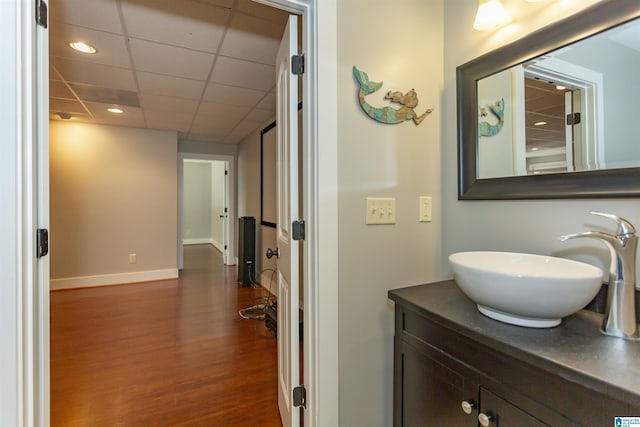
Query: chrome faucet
[{"x": 620, "y": 313}]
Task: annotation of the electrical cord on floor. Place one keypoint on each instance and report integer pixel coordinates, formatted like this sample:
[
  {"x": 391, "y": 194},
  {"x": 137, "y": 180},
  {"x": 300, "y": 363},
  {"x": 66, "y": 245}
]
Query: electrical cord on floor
[{"x": 258, "y": 311}]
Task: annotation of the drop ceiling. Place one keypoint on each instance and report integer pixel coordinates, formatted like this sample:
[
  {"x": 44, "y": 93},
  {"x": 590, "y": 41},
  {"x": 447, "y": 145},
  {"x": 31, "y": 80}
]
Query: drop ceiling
[{"x": 203, "y": 68}]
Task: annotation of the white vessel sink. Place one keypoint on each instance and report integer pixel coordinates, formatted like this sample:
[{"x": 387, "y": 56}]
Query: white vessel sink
[{"x": 523, "y": 289}]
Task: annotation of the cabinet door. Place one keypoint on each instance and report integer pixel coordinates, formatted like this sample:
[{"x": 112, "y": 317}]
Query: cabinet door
[
  {"x": 503, "y": 414},
  {"x": 431, "y": 393}
]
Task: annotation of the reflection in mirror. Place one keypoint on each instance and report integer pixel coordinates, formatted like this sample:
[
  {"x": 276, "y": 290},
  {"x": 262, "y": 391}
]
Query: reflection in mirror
[{"x": 574, "y": 109}]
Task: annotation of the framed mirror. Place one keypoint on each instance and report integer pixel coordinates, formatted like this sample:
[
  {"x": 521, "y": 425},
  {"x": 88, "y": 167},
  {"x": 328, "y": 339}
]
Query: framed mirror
[{"x": 555, "y": 114}]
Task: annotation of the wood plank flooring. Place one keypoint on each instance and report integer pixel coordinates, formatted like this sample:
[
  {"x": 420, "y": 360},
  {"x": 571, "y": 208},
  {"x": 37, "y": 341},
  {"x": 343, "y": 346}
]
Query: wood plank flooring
[{"x": 169, "y": 353}]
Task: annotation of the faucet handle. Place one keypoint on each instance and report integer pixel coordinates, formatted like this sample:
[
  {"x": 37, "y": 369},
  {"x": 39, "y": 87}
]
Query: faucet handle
[{"x": 624, "y": 226}]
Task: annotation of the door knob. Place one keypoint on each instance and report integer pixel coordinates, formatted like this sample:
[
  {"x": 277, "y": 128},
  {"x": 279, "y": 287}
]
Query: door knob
[
  {"x": 485, "y": 419},
  {"x": 272, "y": 252},
  {"x": 468, "y": 406}
]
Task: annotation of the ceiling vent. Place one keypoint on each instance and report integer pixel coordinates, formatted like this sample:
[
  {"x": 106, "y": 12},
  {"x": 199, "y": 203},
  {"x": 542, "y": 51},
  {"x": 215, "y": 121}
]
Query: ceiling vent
[{"x": 105, "y": 95}]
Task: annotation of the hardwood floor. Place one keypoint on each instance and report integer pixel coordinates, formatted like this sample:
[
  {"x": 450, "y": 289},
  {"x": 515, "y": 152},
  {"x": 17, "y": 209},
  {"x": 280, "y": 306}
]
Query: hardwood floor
[{"x": 163, "y": 353}]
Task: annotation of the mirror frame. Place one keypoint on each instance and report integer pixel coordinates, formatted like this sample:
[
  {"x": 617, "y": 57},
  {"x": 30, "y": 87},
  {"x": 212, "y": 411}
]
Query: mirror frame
[{"x": 607, "y": 183}]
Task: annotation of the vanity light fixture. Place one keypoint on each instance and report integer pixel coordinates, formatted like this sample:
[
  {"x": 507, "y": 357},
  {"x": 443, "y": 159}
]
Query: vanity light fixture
[
  {"x": 115, "y": 110},
  {"x": 540, "y": 123},
  {"x": 490, "y": 14},
  {"x": 82, "y": 47}
]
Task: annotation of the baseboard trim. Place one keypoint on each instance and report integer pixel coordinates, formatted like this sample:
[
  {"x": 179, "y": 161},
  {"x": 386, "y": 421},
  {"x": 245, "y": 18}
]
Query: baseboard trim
[
  {"x": 113, "y": 279},
  {"x": 198, "y": 241}
]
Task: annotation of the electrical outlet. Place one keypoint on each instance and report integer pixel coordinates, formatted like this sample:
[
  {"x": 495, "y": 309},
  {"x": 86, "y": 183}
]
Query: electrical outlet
[
  {"x": 133, "y": 258},
  {"x": 425, "y": 208},
  {"x": 381, "y": 210}
]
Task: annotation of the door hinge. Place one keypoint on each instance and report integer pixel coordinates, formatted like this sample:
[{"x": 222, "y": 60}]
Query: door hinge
[
  {"x": 226, "y": 172},
  {"x": 41, "y": 13},
  {"x": 298, "y": 230},
  {"x": 297, "y": 64},
  {"x": 42, "y": 242},
  {"x": 300, "y": 396},
  {"x": 225, "y": 247},
  {"x": 226, "y": 210},
  {"x": 573, "y": 119}
]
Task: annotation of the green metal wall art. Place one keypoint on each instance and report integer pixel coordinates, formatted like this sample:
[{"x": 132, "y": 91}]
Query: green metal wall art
[
  {"x": 497, "y": 110},
  {"x": 388, "y": 115}
]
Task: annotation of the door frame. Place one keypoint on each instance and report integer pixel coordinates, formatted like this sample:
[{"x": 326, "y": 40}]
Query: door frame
[
  {"x": 26, "y": 329},
  {"x": 230, "y": 200}
]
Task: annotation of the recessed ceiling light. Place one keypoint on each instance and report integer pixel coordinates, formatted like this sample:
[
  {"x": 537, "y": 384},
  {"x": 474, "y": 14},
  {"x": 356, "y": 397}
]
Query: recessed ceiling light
[
  {"x": 540, "y": 123},
  {"x": 115, "y": 110},
  {"x": 560, "y": 87},
  {"x": 64, "y": 116},
  {"x": 534, "y": 149},
  {"x": 82, "y": 47}
]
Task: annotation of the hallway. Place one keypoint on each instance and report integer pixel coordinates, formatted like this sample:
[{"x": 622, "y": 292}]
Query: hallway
[{"x": 163, "y": 353}]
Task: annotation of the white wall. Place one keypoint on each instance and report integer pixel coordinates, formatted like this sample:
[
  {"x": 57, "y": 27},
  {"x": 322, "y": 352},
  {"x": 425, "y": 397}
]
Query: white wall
[
  {"x": 113, "y": 193},
  {"x": 529, "y": 226},
  {"x": 401, "y": 44}
]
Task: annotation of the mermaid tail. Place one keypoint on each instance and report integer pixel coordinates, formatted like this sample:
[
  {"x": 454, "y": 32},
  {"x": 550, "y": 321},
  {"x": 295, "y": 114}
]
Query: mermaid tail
[{"x": 365, "y": 85}]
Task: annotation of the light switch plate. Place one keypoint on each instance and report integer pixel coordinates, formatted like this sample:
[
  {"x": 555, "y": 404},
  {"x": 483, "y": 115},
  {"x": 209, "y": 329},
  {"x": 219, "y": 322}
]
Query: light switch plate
[
  {"x": 381, "y": 210},
  {"x": 425, "y": 208}
]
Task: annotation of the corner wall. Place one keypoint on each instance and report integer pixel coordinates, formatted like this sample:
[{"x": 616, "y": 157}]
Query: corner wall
[
  {"x": 527, "y": 226},
  {"x": 400, "y": 44},
  {"x": 113, "y": 193}
]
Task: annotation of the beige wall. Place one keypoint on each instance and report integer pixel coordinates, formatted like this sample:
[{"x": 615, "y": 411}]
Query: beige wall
[
  {"x": 526, "y": 226},
  {"x": 399, "y": 43},
  {"x": 249, "y": 201},
  {"x": 113, "y": 193}
]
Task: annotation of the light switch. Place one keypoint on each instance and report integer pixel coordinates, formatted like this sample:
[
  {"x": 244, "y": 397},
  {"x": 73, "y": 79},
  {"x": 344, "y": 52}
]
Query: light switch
[
  {"x": 381, "y": 210},
  {"x": 133, "y": 258},
  {"x": 425, "y": 209}
]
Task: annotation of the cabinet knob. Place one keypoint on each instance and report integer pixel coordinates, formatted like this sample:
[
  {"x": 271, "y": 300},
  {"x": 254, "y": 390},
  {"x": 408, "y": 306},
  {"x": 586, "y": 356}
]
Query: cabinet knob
[
  {"x": 485, "y": 420},
  {"x": 467, "y": 406}
]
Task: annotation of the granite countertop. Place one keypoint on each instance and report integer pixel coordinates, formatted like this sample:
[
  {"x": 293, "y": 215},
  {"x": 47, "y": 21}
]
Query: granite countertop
[{"x": 576, "y": 348}]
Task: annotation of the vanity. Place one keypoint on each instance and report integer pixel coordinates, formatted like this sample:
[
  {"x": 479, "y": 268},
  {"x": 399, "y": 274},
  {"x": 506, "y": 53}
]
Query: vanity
[{"x": 455, "y": 367}]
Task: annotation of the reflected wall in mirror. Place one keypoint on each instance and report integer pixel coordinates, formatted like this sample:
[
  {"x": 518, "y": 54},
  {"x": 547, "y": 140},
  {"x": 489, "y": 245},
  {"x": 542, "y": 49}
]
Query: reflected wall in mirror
[{"x": 570, "y": 111}]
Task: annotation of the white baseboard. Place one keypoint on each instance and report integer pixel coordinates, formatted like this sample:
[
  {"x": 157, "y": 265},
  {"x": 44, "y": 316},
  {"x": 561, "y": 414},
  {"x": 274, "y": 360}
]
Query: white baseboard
[
  {"x": 198, "y": 241},
  {"x": 113, "y": 279},
  {"x": 217, "y": 245}
]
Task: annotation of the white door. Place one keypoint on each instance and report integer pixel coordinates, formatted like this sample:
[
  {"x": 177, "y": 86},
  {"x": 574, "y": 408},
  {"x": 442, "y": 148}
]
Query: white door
[{"x": 288, "y": 249}]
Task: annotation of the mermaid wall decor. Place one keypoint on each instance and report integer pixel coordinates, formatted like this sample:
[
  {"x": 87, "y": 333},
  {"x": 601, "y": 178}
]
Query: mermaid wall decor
[
  {"x": 389, "y": 115},
  {"x": 497, "y": 111}
]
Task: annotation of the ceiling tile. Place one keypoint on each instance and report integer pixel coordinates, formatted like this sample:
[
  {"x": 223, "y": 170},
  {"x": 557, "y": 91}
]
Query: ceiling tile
[
  {"x": 58, "y": 89},
  {"x": 157, "y": 84},
  {"x": 268, "y": 102},
  {"x": 111, "y": 48},
  {"x": 236, "y": 72},
  {"x": 259, "y": 115},
  {"x": 98, "y": 14},
  {"x": 131, "y": 117},
  {"x": 66, "y": 106},
  {"x": 169, "y": 104},
  {"x": 256, "y": 9},
  {"x": 184, "y": 23},
  {"x": 221, "y": 111},
  {"x": 217, "y": 126},
  {"x": 168, "y": 120},
  {"x": 253, "y": 39},
  {"x": 202, "y": 137},
  {"x": 243, "y": 129},
  {"x": 170, "y": 60},
  {"x": 94, "y": 74},
  {"x": 232, "y": 95}
]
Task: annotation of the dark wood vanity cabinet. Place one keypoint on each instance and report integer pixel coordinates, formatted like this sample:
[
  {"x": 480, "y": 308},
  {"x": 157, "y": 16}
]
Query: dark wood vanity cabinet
[{"x": 439, "y": 363}]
